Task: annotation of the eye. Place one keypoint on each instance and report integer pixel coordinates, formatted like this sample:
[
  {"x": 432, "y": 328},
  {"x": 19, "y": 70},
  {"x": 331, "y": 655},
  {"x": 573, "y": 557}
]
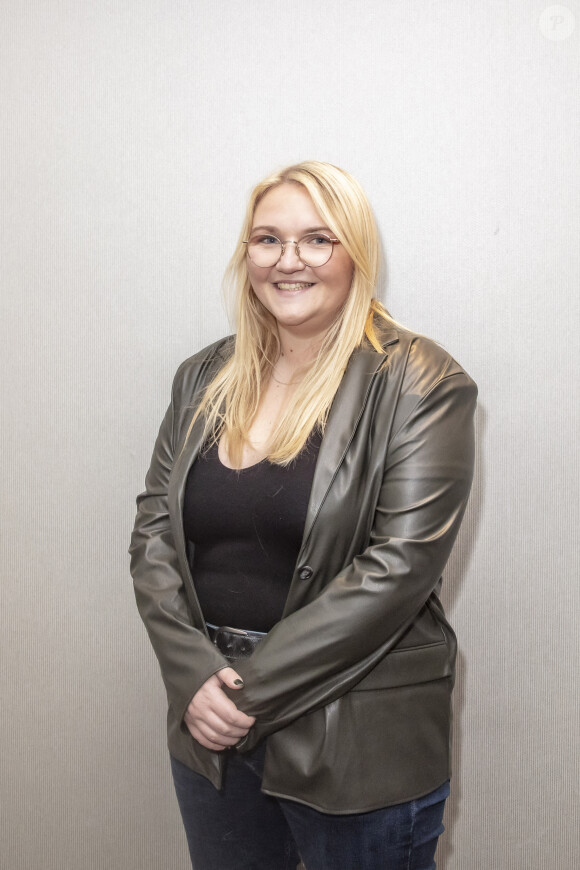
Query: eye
[
  {"x": 316, "y": 240},
  {"x": 264, "y": 239}
]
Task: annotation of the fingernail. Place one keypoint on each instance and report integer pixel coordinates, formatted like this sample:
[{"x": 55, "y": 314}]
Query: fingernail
[{"x": 238, "y": 682}]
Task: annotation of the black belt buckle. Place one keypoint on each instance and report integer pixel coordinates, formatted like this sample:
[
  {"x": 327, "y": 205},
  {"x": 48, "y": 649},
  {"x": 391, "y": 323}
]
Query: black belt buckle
[{"x": 235, "y": 643}]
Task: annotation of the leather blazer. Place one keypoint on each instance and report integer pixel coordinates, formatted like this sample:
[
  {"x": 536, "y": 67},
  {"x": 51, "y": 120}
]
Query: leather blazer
[{"x": 352, "y": 688}]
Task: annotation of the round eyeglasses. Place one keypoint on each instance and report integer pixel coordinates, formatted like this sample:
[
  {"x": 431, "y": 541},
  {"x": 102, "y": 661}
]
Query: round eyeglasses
[{"x": 314, "y": 249}]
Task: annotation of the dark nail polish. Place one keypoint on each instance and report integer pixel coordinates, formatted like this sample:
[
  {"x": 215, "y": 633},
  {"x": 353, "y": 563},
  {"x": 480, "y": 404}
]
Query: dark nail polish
[{"x": 238, "y": 682}]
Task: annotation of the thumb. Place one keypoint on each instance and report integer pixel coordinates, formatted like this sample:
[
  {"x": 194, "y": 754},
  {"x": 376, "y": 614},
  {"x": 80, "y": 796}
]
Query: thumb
[{"x": 230, "y": 678}]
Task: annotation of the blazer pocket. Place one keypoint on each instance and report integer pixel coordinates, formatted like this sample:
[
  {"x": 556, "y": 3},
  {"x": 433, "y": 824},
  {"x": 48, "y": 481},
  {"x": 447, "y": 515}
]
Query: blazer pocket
[{"x": 426, "y": 652}]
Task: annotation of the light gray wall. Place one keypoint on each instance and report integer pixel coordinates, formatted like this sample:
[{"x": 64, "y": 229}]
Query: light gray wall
[{"x": 131, "y": 133}]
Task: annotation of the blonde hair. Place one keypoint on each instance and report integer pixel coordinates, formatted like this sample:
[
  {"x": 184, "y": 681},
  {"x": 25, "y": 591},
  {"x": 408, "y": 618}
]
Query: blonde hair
[{"x": 232, "y": 398}]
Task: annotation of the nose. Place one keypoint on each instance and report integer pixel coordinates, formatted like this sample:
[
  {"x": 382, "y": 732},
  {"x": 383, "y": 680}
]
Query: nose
[{"x": 289, "y": 261}]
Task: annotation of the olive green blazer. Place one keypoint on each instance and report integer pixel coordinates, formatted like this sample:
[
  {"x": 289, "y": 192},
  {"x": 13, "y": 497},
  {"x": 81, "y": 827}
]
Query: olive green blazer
[{"x": 352, "y": 688}]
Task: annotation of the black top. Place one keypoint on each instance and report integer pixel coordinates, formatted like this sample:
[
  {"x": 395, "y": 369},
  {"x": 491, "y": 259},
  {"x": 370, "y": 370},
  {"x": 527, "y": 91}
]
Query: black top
[{"x": 246, "y": 529}]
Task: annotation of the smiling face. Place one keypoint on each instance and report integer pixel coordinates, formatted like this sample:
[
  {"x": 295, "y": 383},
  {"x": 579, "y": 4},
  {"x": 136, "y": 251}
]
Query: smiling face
[{"x": 304, "y": 300}]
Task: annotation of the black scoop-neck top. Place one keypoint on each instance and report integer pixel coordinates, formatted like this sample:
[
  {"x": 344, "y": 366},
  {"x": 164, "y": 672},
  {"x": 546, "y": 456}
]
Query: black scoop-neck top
[{"x": 244, "y": 529}]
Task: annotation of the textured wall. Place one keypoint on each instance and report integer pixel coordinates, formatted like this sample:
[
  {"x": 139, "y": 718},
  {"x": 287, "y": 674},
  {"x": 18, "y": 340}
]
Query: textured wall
[{"x": 130, "y": 135}]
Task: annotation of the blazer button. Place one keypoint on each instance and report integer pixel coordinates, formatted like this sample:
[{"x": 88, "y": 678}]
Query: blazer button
[{"x": 306, "y": 573}]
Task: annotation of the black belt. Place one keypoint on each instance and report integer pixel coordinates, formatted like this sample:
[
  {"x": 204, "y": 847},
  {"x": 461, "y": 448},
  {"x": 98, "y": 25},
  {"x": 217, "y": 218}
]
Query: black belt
[{"x": 234, "y": 643}]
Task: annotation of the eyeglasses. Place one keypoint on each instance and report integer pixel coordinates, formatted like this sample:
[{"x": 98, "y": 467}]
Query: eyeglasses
[{"x": 314, "y": 249}]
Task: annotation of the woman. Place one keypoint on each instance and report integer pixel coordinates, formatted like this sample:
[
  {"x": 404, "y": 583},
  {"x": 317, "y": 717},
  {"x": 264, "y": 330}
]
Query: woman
[{"x": 305, "y": 491}]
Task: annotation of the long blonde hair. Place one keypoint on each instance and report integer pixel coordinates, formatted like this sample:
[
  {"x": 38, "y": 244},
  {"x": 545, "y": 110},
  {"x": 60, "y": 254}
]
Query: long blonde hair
[{"x": 232, "y": 398}]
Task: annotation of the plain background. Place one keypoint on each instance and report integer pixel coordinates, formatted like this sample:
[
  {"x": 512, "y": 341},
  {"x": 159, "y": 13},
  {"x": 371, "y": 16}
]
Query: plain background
[{"x": 131, "y": 134}]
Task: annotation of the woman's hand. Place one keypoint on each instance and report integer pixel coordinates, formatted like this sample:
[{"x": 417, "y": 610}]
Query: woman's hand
[{"x": 212, "y": 719}]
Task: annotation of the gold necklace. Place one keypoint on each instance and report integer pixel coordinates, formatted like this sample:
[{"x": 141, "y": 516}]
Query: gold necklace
[{"x": 282, "y": 383}]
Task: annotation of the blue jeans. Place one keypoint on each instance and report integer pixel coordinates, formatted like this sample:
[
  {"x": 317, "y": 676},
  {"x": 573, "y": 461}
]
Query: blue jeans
[{"x": 240, "y": 828}]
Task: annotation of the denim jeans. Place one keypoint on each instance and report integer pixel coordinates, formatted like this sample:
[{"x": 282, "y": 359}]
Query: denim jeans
[{"x": 240, "y": 828}]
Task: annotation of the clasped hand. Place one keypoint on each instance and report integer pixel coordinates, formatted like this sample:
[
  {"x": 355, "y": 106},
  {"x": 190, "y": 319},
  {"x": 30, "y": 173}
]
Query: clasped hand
[{"x": 212, "y": 719}]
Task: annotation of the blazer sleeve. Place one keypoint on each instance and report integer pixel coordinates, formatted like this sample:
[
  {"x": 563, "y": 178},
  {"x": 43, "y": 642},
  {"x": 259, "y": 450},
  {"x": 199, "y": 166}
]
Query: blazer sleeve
[
  {"x": 186, "y": 656},
  {"x": 318, "y": 653}
]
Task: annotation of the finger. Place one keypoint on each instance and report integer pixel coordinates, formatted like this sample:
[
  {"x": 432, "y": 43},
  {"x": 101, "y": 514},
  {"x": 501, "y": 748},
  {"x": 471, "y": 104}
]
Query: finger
[
  {"x": 219, "y": 714},
  {"x": 212, "y": 741},
  {"x": 227, "y": 710},
  {"x": 215, "y": 728},
  {"x": 230, "y": 678},
  {"x": 211, "y": 697},
  {"x": 204, "y": 741},
  {"x": 212, "y": 737}
]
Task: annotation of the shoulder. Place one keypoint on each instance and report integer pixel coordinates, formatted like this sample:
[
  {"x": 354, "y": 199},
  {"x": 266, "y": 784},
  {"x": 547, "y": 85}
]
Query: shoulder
[
  {"x": 419, "y": 362},
  {"x": 214, "y": 355},
  {"x": 219, "y": 350},
  {"x": 421, "y": 381},
  {"x": 197, "y": 370}
]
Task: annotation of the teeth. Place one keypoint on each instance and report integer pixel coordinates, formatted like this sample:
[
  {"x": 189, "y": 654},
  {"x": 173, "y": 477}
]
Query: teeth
[{"x": 284, "y": 285}]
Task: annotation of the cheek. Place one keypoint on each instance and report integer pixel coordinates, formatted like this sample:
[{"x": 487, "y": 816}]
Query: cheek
[
  {"x": 251, "y": 273},
  {"x": 258, "y": 292},
  {"x": 258, "y": 277},
  {"x": 254, "y": 285},
  {"x": 342, "y": 266},
  {"x": 343, "y": 282}
]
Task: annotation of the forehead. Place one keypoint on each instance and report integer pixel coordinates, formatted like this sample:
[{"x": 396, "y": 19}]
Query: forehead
[{"x": 287, "y": 203}]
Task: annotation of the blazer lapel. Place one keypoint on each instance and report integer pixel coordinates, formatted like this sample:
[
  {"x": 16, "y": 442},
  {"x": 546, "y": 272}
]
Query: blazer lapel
[
  {"x": 186, "y": 456},
  {"x": 183, "y": 463},
  {"x": 345, "y": 413}
]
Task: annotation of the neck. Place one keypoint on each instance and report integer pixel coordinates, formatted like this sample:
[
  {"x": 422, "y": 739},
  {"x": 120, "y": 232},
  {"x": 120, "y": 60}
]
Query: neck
[{"x": 298, "y": 351}]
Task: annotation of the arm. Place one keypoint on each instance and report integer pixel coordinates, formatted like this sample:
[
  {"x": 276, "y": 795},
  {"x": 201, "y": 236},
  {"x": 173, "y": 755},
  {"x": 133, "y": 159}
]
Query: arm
[
  {"x": 319, "y": 652},
  {"x": 188, "y": 660}
]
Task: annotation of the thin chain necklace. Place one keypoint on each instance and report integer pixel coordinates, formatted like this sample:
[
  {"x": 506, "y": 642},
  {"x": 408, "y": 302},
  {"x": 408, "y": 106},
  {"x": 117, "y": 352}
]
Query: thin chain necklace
[{"x": 282, "y": 383}]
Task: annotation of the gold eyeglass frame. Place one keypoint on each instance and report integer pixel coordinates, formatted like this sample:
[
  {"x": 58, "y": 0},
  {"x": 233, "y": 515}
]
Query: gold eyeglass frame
[{"x": 298, "y": 254}]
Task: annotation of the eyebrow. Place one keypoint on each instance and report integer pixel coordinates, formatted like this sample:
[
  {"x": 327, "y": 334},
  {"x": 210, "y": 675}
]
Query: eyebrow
[{"x": 272, "y": 229}]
